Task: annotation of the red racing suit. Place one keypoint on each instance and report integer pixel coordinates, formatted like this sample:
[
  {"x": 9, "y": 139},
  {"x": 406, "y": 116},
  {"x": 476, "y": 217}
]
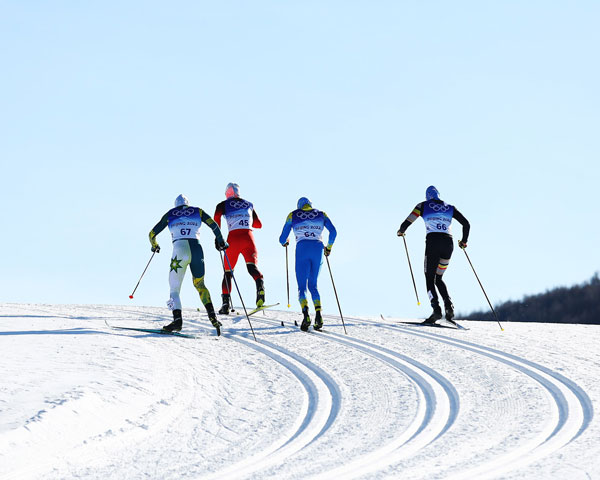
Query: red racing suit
[{"x": 241, "y": 219}]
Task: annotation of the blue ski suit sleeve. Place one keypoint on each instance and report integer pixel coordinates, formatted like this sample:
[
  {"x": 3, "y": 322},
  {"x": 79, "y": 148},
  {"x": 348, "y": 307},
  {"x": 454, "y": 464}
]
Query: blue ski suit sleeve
[
  {"x": 287, "y": 228},
  {"x": 332, "y": 231}
]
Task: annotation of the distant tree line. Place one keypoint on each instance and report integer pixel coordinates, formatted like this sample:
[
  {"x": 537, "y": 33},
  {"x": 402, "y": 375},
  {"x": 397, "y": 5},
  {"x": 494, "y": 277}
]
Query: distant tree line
[{"x": 578, "y": 304}]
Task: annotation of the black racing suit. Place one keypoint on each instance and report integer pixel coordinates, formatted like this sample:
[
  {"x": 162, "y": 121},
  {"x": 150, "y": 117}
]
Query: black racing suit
[{"x": 438, "y": 250}]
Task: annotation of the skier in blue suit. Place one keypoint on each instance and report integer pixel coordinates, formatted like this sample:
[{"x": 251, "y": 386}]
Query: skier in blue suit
[{"x": 308, "y": 224}]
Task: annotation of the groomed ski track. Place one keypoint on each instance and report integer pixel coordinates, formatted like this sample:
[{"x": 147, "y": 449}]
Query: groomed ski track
[{"x": 386, "y": 400}]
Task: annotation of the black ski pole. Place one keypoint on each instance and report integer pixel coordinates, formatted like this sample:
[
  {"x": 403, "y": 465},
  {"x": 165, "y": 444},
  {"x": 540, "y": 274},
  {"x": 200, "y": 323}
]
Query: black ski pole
[
  {"x": 241, "y": 299},
  {"x": 227, "y": 283},
  {"x": 486, "y": 297},
  {"x": 151, "y": 257},
  {"x": 411, "y": 270},
  {"x": 336, "y": 295},
  {"x": 287, "y": 275}
]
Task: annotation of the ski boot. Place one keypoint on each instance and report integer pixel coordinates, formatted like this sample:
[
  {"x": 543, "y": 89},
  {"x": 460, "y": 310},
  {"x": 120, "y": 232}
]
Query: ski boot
[
  {"x": 224, "y": 310},
  {"x": 215, "y": 323},
  {"x": 176, "y": 324},
  {"x": 434, "y": 317},
  {"x": 260, "y": 292},
  {"x": 305, "y": 320},
  {"x": 318, "y": 321},
  {"x": 213, "y": 317},
  {"x": 450, "y": 313}
]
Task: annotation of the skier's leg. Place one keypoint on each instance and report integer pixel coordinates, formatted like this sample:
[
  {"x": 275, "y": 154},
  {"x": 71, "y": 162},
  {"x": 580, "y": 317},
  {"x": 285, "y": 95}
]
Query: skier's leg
[
  {"x": 226, "y": 295},
  {"x": 197, "y": 267},
  {"x": 226, "y": 284},
  {"x": 439, "y": 283},
  {"x": 431, "y": 262},
  {"x": 446, "y": 253},
  {"x": 179, "y": 261},
  {"x": 260, "y": 284},
  {"x": 430, "y": 272},
  {"x": 316, "y": 260},
  {"x": 233, "y": 253},
  {"x": 302, "y": 267},
  {"x": 251, "y": 257},
  {"x": 302, "y": 272}
]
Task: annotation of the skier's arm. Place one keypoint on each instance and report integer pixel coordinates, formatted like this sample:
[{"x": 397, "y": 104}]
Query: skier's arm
[
  {"x": 256, "y": 223},
  {"x": 287, "y": 228},
  {"x": 213, "y": 226},
  {"x": 219, "y": 211},
  {"x": 466, "y": 226},
  {"x": 159, "y": 227},
  {"x": 332, "y": 234},
  {"x": 332, "y": 231},
  {"x": 416, "y": 213}
]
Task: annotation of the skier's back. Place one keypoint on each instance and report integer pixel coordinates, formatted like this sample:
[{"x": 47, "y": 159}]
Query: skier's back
[
  {"x": 308, "y": 225},
  {"x": 438, "y": 216},
  {"x": 184, "y": 222},
  {"x": 241, "y": 219}
]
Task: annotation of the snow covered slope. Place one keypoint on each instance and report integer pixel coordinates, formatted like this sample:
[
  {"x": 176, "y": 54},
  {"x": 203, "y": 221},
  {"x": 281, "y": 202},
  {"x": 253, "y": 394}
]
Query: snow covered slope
[{"x": 388, "y": 400}]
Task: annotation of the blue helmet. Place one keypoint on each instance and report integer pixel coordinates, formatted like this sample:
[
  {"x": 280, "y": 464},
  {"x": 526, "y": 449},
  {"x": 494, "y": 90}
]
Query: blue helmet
[
  {"x": 304, "y": 201},
  {"x": 432, "y": 193}
]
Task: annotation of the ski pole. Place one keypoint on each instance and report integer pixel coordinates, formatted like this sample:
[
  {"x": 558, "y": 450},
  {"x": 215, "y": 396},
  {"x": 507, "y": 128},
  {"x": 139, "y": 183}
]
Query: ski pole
[
  {"x": 486, "y": 297},
  {"x": 336, "y": 295},
  {"x": 411, "y": 270},
  {"x": 151, "y": 257},
  {"x": 287, "y": 275},
  {"x": 241, "y": 299},
  {"x": 227, "y": 283}
]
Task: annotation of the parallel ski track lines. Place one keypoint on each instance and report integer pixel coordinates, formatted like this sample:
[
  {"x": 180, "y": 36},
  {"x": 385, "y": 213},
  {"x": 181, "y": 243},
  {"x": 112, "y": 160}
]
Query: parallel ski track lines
[
  {"x": 318, "y": 413},
  {"x": 573, "y": 407},
  {"x": 436, "y": 414}
]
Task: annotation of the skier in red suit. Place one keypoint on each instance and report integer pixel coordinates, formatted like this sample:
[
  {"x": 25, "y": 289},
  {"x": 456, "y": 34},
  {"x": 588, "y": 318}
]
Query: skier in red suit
[{"x": 241, "y": 219}]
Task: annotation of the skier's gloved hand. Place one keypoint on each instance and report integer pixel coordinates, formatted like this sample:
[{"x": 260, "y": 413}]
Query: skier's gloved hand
[
  {"x": 285, "y": 244},
  {"x": 221, "y": 244},
  {"x": 327, "y": 250},
  {"x": 401, "y": 233},
  {"x": 462, "y": 244},
  {"x": 155, "y": 248}
]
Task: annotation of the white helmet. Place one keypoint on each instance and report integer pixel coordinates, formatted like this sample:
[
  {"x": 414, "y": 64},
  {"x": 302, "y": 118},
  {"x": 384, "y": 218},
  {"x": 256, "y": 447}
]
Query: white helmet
[{"x": 181, "y": 200}]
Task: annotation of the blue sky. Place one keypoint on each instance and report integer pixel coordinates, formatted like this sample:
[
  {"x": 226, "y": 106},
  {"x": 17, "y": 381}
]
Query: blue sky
[{"x": 111, "y": 109}]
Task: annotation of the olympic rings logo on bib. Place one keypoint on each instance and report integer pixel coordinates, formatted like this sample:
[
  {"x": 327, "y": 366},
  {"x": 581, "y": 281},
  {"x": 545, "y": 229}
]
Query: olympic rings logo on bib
[
  {"x": 239, "y": 204},
  {"x": 183, "y": 213},
  {"x": 307, "y": 215},
  {"x": 439, "y": 208}
]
